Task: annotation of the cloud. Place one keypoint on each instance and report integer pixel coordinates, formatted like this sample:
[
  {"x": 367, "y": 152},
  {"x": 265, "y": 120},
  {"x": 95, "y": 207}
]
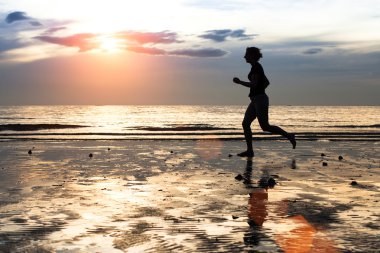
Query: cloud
[
  {"x": 308, "y": 46},
  {"x": 143, "y": 38},
  {"x": 311, "y": 43},
  {"x": 20, "y": 16},
  {"x": 54, "y": 29},
  {"x": 203, "y": 52},
  {"x": 10, "y": 35},
  {"x": 83, "y": 41},
  {"x": 222, "y": 35},
  {"x": 147, "y": 50},
  {"x": 16, "y": 16},
  {"x": 9, "y": 44},
  {"x": 35, "y": 23},
  {"x": 313, "y": 51}
]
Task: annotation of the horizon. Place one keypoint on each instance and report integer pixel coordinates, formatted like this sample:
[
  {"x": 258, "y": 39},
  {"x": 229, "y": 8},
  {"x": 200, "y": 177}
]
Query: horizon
[
  {"x": 107, "y": 53},
  {"x": 275, "y": 105}
]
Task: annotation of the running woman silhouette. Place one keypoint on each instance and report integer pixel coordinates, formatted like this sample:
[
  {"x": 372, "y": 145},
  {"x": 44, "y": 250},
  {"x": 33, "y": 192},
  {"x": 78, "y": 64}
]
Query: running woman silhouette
[{"x": 258, "y": 108}]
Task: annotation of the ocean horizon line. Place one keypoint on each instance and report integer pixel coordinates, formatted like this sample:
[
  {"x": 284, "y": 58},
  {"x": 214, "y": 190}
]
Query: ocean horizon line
[
  {"x": 184, "y": 122},
  {"x": 242, "y": 104}
]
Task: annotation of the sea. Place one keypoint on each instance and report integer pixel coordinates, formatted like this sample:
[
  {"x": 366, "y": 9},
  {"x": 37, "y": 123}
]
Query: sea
[{"x": 181, "y": 122}]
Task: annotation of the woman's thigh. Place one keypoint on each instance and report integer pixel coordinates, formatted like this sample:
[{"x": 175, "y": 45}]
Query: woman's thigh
[
  {"x": 261, "y": 108},
  {"x": 250, "y": 113}
]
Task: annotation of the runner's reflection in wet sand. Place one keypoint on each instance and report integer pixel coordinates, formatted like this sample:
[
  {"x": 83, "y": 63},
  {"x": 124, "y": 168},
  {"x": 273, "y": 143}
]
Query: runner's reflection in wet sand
[
  {"x": 291, "y": 233},
  {"x": 257, "y": 208}
]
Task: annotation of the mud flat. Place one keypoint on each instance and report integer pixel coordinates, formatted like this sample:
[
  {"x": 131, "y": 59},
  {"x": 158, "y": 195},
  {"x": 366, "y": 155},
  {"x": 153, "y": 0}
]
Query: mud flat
[{"x": 189, "y": 196}]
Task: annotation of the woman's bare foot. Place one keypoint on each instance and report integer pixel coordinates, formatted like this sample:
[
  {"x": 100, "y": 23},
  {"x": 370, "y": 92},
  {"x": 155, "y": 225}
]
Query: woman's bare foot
[
  {"x": 246, "y": 154},
  {"x": 292, "y": 139}
]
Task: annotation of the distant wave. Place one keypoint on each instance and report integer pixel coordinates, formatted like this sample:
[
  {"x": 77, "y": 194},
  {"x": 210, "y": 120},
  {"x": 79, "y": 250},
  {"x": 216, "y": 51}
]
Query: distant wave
[
  {"x": 307, "y": 136},
  {"x": 35, "y": 127},
  {"x": 187, "y": 127},
  {"x": 15, "y": 118},
  {"x": 356, "y": 126}
]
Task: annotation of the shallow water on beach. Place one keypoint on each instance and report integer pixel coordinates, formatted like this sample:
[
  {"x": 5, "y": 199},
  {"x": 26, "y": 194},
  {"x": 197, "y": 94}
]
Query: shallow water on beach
[
  {"x": 186, "y": 196},
  {"x": 184, "y": 122}
]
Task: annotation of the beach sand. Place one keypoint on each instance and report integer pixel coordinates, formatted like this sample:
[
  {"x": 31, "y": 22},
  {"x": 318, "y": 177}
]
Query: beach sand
[{"x": 189, "y": 196}]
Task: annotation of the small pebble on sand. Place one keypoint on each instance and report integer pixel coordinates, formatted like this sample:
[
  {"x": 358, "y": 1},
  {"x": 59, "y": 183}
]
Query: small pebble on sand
[
  {"x": 30, "y": 152},
  {"x": 90, "y": 155},
  {"x": 229, "y": 155},
  {"x": 239, "y": 177},
  {"x": 340, "y": 158},
  {"x": 354, "y": 183},
  {"x": 235, "y": 217},
  {"x": 323, "y": 154},
  {"x": 324, "y": 163}
]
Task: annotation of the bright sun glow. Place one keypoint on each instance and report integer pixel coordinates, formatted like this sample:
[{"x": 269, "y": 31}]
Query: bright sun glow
[{"x": 110, "y": 44}]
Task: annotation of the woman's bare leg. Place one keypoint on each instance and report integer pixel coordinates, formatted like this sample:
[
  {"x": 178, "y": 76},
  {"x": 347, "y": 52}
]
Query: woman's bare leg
[
  {"x": 262, "y": 115},
  {"x": 249, "y": 117}
]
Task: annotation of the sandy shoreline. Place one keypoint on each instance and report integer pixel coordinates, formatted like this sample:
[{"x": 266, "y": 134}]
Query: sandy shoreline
[{"x": 182, "y": 196}]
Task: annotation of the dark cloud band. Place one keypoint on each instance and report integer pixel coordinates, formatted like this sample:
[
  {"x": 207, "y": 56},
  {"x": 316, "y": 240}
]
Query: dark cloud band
[
  {"x": 20, "y": 16},
  {"x": 16, "y": 16},
  {"x": 313, "y": 51},
  {"x": 223, "y": 34},
  {"x": 202, "y": 52},
  {"x": 147, "y": 50}
]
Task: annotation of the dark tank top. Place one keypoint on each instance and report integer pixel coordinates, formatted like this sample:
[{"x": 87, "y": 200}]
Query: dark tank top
[{"x": 262, "y": 80}]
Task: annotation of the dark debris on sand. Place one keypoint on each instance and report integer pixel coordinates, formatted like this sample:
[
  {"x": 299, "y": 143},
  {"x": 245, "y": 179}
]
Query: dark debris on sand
[
  {"x": 35, "y": 127},
  {"x": 354, "y": 183}
]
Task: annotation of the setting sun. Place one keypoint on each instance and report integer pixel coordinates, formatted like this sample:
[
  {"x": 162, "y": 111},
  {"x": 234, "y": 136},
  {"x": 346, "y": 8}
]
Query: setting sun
[{"x": 110, "y": 44}]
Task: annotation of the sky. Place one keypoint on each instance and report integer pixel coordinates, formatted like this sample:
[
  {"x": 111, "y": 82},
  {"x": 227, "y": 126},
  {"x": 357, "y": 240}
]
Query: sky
[{"x": 116, "y": 52}]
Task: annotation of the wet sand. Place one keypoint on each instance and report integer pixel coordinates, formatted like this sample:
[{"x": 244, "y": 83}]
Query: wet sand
[{"x": 189, "y": 196}]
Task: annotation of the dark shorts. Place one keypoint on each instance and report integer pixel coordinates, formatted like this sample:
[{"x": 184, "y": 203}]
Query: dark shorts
[{"x": 257, "y": 108}]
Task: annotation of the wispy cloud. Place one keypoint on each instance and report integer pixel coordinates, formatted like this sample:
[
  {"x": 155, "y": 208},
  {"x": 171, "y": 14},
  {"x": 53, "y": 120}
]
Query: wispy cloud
[
  {"x": 304, "y": 45},
  {"x": 54, "y": 30},
  {"x": 222, "y": 35},
  {"x": 134, "y": 41},
  {"x": 12, "y": 27},
  {"x": 168, "y": 37},
  {"x": 83, "y": 41},
  {"x": 9, "y": 44},
  {"x": 143, "y": 38},
  {"x": 203, "y": 52},
  {"x": 313, "y": 51},
  {"x": 35, "y": 23},
  {"x": 146, "y": 50}
]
